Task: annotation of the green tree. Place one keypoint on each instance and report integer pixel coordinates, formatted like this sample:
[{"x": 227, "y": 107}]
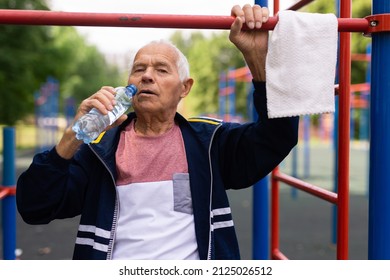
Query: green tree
[
  {"x": 20, "y": 67},
  {"x": 28, "y": 54},
  {"x": 80, "y": 67}
]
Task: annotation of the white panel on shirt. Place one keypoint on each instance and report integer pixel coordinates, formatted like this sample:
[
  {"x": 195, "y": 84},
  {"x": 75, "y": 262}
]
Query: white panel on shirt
[{"x": 153, "y": 224}]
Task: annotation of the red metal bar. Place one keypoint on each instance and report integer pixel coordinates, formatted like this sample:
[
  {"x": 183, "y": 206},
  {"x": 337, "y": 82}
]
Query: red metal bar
[
  {"x": 360, "y": 57},
  {"x": 275, "y": 228},
  {"x": 353, "y": 25},
  {"x": 359, "y": 103},
  {"x": 39, "y": 17},
  {"x": 379, "y": 22},
  {"x": 360, "y": 87},
  {"x": 3, "y": 193},
  {"x": 239, "y": 73},
  {"x": 354, "y": 88},
  {"x": 304, "y": 186},
  {"x": 277, "y": 255},
  {"x": 6, "y": 191},
  {"x": 276, "y": 6},
  {"x": 344, "y": 136}
]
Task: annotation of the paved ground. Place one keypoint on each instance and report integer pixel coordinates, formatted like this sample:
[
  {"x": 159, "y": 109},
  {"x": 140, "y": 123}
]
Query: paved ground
[
  {"x": 306, "y": 222},
  {"x": 306, "y": 226}
]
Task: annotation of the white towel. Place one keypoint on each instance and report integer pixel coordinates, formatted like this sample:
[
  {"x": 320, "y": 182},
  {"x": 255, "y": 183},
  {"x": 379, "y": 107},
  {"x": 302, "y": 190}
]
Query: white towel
[{"x": 301, "y": 64}]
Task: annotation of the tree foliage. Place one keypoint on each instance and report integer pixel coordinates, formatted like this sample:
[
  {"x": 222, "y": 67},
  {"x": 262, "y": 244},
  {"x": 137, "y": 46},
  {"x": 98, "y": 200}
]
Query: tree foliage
[
  {"x": 29, "y": 54},
  {"x": 81, "y": 68},
  {"x": 209, "y": 56},
  {"x": 21, "y": 69}
]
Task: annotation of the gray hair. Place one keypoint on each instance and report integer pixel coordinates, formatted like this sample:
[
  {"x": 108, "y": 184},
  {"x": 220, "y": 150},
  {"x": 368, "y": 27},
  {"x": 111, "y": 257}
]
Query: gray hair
[{"x": 182, "y": 64}]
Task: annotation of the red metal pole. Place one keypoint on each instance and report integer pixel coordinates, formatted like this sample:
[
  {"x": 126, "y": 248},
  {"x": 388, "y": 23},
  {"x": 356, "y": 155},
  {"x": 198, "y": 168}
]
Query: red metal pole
[
  {"x": 276, "y": 7},
  {"x": 306, "y": 187},
  {"x": 38, "y": 17},
  {"x": 344, "y": 136},
  {"x": 3, "y": 193}
]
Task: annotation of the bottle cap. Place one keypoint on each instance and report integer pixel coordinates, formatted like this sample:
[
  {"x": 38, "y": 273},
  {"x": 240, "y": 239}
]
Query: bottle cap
[{"x": 132, "y": 88}]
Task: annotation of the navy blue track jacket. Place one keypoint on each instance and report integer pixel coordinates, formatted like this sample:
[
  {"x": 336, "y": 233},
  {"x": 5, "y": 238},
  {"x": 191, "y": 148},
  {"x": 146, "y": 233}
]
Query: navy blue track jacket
[{"x": 220, "y": 156}]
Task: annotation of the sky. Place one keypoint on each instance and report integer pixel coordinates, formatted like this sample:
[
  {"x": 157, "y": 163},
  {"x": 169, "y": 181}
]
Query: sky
[{"x": 115, "y": 41}]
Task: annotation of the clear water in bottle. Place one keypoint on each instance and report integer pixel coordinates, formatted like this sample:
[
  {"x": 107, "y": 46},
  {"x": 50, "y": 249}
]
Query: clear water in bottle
[{"x": 89, "y": 126}]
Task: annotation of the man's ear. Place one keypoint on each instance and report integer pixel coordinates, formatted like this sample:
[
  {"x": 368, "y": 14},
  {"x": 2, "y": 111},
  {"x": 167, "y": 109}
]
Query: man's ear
[{"x": 187, "y": 85}]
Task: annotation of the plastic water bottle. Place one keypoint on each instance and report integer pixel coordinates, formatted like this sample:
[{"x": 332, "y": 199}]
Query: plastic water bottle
[{"x": 89, "y": 126}]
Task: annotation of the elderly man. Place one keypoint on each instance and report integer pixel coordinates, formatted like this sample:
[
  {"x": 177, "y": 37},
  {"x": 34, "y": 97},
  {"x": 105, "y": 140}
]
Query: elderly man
[{"x": 153, "y": 186}]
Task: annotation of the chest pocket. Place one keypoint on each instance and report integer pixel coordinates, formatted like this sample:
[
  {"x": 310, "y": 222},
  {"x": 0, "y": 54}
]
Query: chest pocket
[{"x": 182, "y": 201}]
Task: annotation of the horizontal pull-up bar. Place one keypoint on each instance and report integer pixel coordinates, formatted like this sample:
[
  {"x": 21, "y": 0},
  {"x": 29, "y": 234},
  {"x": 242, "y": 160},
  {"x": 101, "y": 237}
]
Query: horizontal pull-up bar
[{"x": 38, "y": 17}]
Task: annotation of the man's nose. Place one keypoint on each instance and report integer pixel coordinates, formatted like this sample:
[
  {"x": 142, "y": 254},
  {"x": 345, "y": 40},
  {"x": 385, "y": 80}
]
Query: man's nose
[{"x": 147, "y": 77}]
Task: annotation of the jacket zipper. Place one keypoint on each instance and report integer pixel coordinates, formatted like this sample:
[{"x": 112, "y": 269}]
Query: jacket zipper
[
  {"x": 116, "y": 209},
  {"x": 211, "y": 192}
]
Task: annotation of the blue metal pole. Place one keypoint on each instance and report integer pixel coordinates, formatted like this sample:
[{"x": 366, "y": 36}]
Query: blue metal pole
[
  {"x": 306, "y": 136},
  {"x": 261, "y": 212},
  {"x": 335, "y": 146},
  {"x": 294, "y": 173},
  {"x": 261, "y": 206},
  {"x": 335, "y": 169},
  {"x": 294, "y": 162},
  {"x": 379, "y": 179},
  {"x": 294, "y": 170},
  {"x": 367, "y": 114},
  {"x": 8, "y": 203}
]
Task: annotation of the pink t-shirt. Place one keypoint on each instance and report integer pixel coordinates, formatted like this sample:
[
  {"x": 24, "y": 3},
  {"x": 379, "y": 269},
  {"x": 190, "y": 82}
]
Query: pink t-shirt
[{"x": 150, "y": 158}]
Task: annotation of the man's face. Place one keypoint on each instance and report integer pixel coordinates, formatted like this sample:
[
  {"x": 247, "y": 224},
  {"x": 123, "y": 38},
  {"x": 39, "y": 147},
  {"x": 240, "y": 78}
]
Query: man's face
[{"x": 156, "y": 76}]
